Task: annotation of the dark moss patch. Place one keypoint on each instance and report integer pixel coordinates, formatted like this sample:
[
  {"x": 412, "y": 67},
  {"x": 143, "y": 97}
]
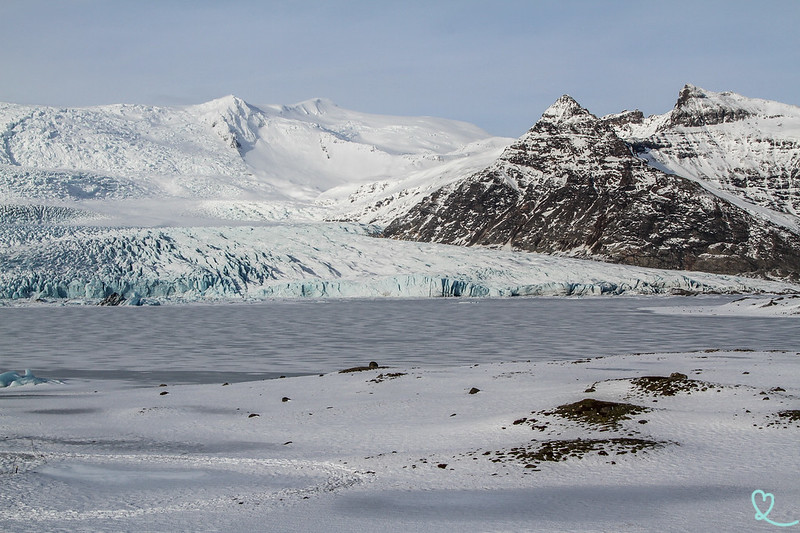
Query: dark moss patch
[
  {"x": 607, "y": 415},
  {"x": 535, "y": 453},
  {"x": 670, "y": 385},
  {"x": 389, "y": 375}
]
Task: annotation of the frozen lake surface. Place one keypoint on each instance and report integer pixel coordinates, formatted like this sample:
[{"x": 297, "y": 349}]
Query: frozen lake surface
[{"x": 238, "y": 342}]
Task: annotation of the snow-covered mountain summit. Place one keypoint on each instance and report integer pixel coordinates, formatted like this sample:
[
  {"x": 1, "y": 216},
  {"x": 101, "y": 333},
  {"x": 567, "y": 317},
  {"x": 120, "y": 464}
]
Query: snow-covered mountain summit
[
  {"x": 698, "y": 107},
  {"x": 739, "y": 147},
  {"x": 565, "y": 109}
]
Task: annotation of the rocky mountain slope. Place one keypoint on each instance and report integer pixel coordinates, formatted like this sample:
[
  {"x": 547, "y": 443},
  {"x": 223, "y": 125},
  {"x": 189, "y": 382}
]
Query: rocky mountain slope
[
  {"x": 573, "y": 185},
  {"x": 742, "y": 148}
]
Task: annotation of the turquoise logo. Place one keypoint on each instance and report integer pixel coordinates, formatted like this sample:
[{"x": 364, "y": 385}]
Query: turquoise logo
[{"x": 768, "y": 501}]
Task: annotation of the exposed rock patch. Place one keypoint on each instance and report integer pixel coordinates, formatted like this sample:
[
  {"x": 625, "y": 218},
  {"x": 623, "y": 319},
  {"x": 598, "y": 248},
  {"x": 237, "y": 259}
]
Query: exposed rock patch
[
  {"x": 786, "y": 419},
  {"x": 602, "y": 414},
  {"x": 670, "y": 385},
  {"x": 535, "y": 453}
]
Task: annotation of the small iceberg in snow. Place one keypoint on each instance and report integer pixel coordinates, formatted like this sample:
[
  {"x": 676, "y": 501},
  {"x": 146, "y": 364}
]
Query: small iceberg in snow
[{"x": 15, "y": 379}]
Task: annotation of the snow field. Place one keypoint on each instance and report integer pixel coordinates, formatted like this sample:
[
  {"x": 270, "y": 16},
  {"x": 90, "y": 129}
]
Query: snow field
[{"x": 406, "y": 448}]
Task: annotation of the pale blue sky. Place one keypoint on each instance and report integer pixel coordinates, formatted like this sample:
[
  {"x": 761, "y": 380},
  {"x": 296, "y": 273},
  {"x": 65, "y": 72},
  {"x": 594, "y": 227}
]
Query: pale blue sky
[{"x": 495, "y": 63}]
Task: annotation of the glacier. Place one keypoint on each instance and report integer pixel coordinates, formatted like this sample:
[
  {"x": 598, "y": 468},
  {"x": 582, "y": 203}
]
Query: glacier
[{"x": 306, "y": 260}]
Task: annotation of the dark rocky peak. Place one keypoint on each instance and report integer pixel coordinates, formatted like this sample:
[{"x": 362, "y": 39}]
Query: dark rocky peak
[
  {"x": 697, "y": 107},
  {"x": 565, "y": 117},
  {"x": 688, "y": 93},
  {"x": 566, "y": 135}
]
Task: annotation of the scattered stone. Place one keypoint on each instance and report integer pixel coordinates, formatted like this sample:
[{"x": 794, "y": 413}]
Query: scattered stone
[
  {"x": 253, "y": 415},
  {"x": 792, "y": 415},
  {"x": 225, "y": 384},
  {"x": 442, "y": 465},
  {"x": 784, "y": 419},
  {"x": 474, "y": 390},
  {"x": 389, "y": 375},
  {"x": 285, "y": 399},
  {"x": 163, "y": 393}
]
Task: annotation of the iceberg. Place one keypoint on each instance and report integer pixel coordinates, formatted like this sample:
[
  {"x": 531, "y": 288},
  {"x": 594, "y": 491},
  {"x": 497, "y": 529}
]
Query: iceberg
[{"x": 15, "y": 379}]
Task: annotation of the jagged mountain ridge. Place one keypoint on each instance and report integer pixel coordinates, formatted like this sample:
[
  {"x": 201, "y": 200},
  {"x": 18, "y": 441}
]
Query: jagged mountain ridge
[
  {"x": 746, "y": 150},
  {"x": 573, "y": 186}
]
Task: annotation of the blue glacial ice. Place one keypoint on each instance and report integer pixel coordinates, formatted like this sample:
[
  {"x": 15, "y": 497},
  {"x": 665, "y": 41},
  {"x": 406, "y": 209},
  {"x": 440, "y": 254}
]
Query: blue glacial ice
[
  {"x": 15, "y": 379},
  {"x": 304, "y": 260}
]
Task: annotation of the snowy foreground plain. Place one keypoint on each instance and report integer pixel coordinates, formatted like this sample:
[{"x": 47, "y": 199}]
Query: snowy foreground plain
[{"x": 417, "y": 448}]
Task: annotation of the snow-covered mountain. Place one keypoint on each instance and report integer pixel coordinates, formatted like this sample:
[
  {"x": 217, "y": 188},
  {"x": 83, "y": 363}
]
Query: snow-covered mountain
[
  {"x": 219, "y": 151},
  {"x": 738, "y": 147},
  {"x": 573, "y": 185},
  {"x": 226, "y": 199}
]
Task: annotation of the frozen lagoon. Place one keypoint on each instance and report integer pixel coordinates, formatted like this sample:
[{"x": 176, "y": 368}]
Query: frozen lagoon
[
  {"x": 406, "y": 448},
  {"x": 212, "y": 343}
]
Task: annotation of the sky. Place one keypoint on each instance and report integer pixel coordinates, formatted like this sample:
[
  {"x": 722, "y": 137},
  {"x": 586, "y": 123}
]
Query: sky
[{"x": 497, "y": 63}]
